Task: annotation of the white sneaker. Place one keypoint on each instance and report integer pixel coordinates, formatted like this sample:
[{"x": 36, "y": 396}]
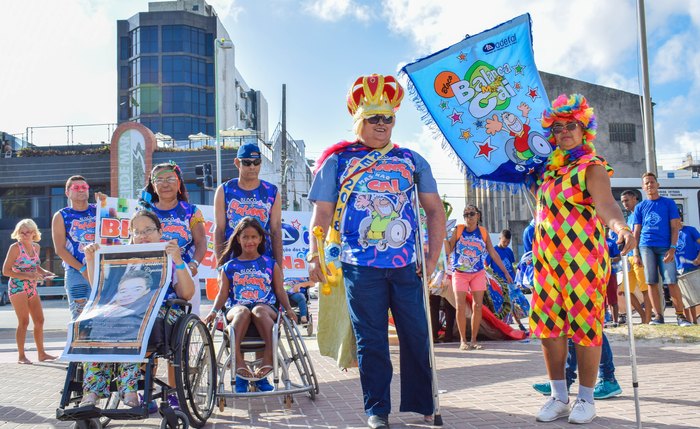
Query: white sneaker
[
  {"x": 582, "y": 412},
  {"x": 552, "y": 410}
]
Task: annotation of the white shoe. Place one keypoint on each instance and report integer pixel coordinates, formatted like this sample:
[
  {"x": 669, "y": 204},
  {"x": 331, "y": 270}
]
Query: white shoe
[
  {"x": 582, "y": 412},
  {"x": 552, "y": 410}
]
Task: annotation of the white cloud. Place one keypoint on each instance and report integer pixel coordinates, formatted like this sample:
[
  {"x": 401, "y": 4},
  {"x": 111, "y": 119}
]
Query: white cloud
[{"x": 336, "y": 10}]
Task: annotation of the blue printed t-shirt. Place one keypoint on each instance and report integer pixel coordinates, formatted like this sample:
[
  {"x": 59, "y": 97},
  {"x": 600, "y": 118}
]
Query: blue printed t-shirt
[
  {"x": 687, "y": 249},
  {"x": 176, "y": 226},
  {"x": 469, "y": 252},
  {"x": 613, "y": 252},
  {"x": 256, "y": 203},
  {"x": 529, "y": 236},
  {"x": 80, "y": 230},
  {"x": 655, "y": 217},
  {"x": 377, "y": 228},
  {"x": 508, "y": 258},
  {"x": 250, "y": 282}
]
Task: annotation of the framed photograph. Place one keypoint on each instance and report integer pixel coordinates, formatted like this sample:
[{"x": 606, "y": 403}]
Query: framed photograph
[{"x": 129, "y": 285}]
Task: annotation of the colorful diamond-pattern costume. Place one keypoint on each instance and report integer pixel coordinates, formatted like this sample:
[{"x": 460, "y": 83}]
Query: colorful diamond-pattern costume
[{"x": 571, "y": 258}]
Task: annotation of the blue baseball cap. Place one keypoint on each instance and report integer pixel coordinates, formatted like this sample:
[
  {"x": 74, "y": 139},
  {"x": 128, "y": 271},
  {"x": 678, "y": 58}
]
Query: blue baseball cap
[{"x": 248, "y": 151}]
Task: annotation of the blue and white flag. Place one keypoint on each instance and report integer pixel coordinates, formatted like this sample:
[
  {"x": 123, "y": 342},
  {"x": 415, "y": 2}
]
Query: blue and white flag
[{"x": 485, "y": 96}]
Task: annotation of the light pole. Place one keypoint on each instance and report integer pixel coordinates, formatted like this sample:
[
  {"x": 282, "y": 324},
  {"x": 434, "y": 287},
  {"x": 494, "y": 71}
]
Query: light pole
[{"x": 223, "y": 44}]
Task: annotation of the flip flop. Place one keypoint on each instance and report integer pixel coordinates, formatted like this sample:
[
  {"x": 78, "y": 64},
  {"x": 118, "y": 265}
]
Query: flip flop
[
  {"x": 476, "y": 347},
  {"x": 49, "y": 358},
  {"x": 464, "y": 346},
  {"x": 25, "y": 362},
  {"x": 245, "y": 374},
  {"x": 263, "y": 371}
]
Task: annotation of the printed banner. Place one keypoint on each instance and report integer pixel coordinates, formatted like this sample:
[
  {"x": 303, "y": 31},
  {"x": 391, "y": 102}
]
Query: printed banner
[
  {"x": 113, "y": 216},
  {"x": 485, "y": 96},
  {"x": 130, "y": 283}
]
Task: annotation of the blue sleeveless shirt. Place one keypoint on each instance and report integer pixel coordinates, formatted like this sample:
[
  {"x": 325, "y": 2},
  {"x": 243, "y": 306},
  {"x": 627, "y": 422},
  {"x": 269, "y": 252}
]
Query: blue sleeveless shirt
[
  {"x": 80, "y": 230},
  {"x": 378, "y": 227},
  {"x": 176, "y": 225},
  {"x": 256, "y": 203},
  {"x": 469, "y": 252},
  {"x": 250, "y": 282}
]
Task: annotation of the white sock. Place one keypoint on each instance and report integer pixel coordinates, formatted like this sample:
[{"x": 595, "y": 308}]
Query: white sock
[
  {"x": 585, "y": 393},
  {"x": 559, "y": 391}
]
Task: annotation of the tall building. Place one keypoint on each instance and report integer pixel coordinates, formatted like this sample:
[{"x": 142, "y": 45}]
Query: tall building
[{"x": 171, "y": 64}]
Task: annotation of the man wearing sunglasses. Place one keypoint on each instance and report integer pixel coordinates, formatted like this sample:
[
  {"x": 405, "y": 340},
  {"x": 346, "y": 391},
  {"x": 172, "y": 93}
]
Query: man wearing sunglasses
[
  {"x": 247, "y": 195},
  {"x": 378, "y": 247},
  {"x": 72, "y": 228}
]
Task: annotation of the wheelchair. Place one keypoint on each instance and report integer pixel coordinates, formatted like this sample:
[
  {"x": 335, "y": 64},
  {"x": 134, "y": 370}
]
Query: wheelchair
[
  {"x": 309, "y": 325},
  {"x": 292, "y": 372},
  {"x": 188, "y": 346}
]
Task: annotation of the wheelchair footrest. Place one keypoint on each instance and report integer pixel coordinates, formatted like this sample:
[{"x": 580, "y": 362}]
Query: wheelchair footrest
[{"x": 91, "y": 412}]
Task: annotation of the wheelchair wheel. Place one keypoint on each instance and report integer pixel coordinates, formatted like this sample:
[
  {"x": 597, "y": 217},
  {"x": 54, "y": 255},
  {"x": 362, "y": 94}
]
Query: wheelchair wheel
[
  {"x": 300, "y": 356},
  {"x": 309, "y": 325},
  {"x": 182, "y": 422},
  {"x": 195, "y": 370}
]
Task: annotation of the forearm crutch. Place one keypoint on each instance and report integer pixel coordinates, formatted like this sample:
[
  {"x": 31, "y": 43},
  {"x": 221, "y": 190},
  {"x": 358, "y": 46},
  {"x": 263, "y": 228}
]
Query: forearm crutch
[
  {"x": 630, "y": 333},
  {"x": 420, "y": 259}
]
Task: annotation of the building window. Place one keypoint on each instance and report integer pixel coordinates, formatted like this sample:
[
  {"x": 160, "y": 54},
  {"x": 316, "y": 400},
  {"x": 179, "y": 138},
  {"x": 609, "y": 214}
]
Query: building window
[
  {"x": 146, "y": 100},
  {"x": 58, "y": 198},
  {"x": 124, "y": 47},
  {"x": 20, "y": 203},
  {"x": 624, "y": 133},
  {"x": 183, "y": 38},
  {"x": 184, "y": 69}
]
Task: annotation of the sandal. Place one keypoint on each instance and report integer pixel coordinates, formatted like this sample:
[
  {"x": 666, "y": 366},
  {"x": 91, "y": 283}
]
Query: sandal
[
  {"x": 89, "y": 400},
  {"x": 464, "y": 346},
  {"x": 263, "y": 371},
  {"x": 24, "y": 361},
  {"x": 476, "y": 347},
  {"x": 245, "y": 373}
]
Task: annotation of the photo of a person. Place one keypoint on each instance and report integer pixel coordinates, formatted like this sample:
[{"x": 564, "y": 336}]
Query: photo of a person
[{"x": 132, "y": 297}]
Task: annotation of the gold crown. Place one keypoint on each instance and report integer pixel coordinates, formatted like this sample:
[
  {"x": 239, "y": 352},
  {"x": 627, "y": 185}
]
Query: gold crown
[{"x": 374, "y": 95}]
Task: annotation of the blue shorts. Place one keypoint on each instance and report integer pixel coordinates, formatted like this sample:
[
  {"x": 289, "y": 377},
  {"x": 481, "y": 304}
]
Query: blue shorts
[
  {"x": 251, "y": 306},
  {"x": 653, "y": 260}
]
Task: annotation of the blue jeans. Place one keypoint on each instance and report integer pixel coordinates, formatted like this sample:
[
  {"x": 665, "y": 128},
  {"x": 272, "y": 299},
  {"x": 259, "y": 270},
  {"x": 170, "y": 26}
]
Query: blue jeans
[
  {"x": 606, "y": 369},
  {"x": 653, "y": 260},
  {"x": 371, "y": 292},
  {"x": 78, "y": 291},
  {"x": 299, "y": 299}
]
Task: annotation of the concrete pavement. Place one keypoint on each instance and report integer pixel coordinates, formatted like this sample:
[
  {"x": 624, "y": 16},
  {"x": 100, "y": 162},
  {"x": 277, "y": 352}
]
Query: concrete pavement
[{"x": 489, "y": 388}]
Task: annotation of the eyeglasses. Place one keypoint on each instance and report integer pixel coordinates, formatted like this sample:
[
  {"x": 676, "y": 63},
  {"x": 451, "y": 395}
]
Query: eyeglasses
[
  {"x": 79, "y": 188},
  {"x": 249, "y": 162},
  {"x": 148, "y": 231},
  {"x": 374, "y": 120},
  {"x": 470, "y": 214},
  {"x": 571, "y": 126},
  {"x": 169, "y": 181}
]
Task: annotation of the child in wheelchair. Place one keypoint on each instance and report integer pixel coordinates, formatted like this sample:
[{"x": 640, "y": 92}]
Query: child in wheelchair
[
  {"x": 297, "y": 291},
  {"x": 250, "y": 291},
  {"x": 145, "y": 227}
]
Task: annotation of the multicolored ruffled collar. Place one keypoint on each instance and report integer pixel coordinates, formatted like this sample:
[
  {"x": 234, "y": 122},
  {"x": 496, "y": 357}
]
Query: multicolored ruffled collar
[{"x": 560, "y": 157}]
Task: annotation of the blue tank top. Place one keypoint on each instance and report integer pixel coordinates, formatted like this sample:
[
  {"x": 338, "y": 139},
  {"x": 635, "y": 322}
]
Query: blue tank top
[
  {"x": 250, "y": 281},
  {"x": 176, "y": 225},
  {"x": 378, "y": 227},
  {"x": 80, "y": 230},
  {"x": 256, "y": 203},
  {"x": 469, "y": 252}
]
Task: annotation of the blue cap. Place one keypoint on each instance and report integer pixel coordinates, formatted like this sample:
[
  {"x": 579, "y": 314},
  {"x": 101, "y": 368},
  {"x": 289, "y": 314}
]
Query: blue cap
[{"x": 248, "y": 151}]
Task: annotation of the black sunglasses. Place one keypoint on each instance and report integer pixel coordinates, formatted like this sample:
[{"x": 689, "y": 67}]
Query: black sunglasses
[
  {"x": 571, "y": 126},
  {"x": 470, "y": 214},
  {"x": 374, "y": 120},
  {"x": 249, "y": 162}
]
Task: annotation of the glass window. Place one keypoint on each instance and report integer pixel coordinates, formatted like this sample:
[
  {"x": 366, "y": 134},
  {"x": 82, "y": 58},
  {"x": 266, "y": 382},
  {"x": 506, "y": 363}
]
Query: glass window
[
  {"x": 58, "y": 198},
  {"x": 152, "y": 124},
  {"x": 20, "y": 203},
  {"x": 124, "y": 47},
  {"x": 149, "y": 39},
  {"x": 124, "y": 77},
  {"x": 123, "y": 108},
  {"x": 149, "y": 69}
]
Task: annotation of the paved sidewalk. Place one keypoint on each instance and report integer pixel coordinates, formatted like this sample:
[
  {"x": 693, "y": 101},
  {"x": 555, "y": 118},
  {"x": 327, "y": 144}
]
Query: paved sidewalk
[{"x": 489, "y": 388}]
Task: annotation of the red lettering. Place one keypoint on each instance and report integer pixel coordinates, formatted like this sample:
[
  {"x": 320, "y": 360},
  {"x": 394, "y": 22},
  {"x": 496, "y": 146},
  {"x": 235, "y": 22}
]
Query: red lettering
[
  {"x": 391, "y": 186},
  {"x": 110, "y": 228}
]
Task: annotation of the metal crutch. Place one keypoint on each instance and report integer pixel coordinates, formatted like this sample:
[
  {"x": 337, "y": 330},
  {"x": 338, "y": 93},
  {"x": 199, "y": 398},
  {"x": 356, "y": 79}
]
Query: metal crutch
[
  {"x": 420, "y": 256},
  {"x": 630, "y": 333}
]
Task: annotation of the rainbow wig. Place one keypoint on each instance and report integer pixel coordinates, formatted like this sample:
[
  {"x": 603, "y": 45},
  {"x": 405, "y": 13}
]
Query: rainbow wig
[{"x": 574, "y": 107}]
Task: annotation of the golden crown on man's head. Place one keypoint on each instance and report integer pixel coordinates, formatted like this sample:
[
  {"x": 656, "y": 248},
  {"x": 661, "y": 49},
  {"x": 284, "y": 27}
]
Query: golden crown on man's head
[{"x": 374, "y": 95}]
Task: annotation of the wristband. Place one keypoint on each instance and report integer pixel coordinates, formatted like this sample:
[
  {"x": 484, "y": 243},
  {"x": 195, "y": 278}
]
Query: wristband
[
  {"x": 624, "y": 228},
  {"x": 82, "y": 269},
  {"x": 195, "y": 262},
  {"x": 673, "y": 246},
  {"x": 180, "y": 266}
]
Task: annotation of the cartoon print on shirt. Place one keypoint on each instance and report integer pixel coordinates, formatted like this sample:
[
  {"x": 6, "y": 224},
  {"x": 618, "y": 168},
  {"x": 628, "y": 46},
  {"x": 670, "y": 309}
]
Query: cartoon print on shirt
[
  {"x": 470, "y": 254},
  {"x": 383, "y": 227}
]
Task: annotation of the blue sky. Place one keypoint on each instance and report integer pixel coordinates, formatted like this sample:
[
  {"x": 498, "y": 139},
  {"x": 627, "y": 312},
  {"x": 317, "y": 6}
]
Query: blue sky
[{"x": 60, "y": 59}]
